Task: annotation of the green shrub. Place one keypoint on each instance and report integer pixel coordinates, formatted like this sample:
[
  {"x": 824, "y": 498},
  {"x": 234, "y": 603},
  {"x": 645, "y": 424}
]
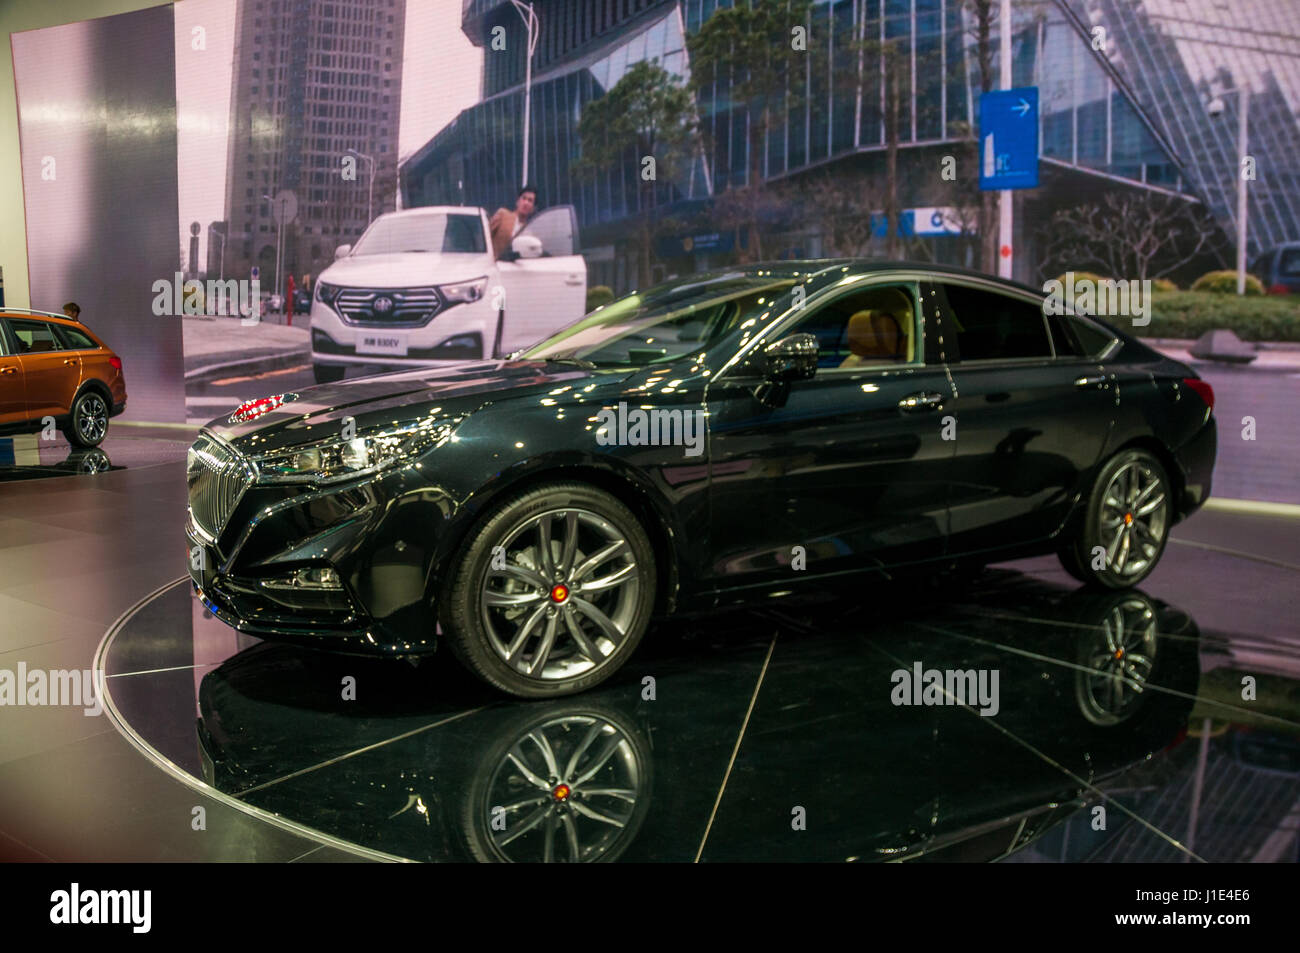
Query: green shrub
[
  {"x": 1163, "y": 285},
  {"x": 1225, "y": 283},
  {"x": 1082, "y": 276},
  {"x": 597, "y": 296},
  {"x": 1189, "y": 314}
]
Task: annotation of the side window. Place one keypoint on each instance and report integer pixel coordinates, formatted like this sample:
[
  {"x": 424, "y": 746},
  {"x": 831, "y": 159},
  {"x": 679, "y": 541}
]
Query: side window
[
  {"x": 994, "y": 326},
  {"x": 75, "y": 339},
  {"x": 34, "y": 337},
  {"x": 874, "y": 326},
  {"x": 557, "y": 228},
  {"x": 1091, "y": 340}
]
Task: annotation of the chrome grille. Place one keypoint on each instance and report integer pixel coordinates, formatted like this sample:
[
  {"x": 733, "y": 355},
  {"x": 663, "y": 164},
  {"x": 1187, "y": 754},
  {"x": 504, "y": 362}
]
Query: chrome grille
[
  {"x": 217, "y": 477},
  {"x": 410, "y": 307}
]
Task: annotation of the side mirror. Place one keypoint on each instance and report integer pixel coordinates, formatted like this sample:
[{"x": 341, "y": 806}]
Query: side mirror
[
  {"x": 793, "y": 358},
  {"x": 527, "y": 246},
  {"x": 342, "y": 251}
]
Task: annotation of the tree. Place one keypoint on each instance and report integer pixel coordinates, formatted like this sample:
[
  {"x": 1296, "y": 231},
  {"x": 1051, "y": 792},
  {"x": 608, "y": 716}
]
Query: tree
[
  {"x": 647, "y": 123},
  {"x": 1133, "y": 235},
  {"x": 754, "y": 55}
]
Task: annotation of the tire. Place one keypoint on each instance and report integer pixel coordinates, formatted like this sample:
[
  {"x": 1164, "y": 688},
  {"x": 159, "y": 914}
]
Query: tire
[
  {"x": 535, "y": 633},
  {"x": 88, "y": 423},
  {"x": 1132, "y": 498},
  {"x": 327, "y": 373}
]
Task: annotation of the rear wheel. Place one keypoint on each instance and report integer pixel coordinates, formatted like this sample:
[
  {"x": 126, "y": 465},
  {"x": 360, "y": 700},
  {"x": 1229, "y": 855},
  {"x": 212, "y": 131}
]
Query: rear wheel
[
  {"x": 1126, "y": 523},
  {"x": 553, "y": 592},
  {"x": 88, "y": 424},
  {"x": 327, "y": 373}
]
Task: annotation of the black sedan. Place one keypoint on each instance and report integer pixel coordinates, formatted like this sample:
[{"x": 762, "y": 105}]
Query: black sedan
[{"x": 721, "y": 438}]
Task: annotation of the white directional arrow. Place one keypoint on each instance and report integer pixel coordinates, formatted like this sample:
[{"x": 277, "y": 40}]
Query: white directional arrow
[{"x": 1023, "y": 107}]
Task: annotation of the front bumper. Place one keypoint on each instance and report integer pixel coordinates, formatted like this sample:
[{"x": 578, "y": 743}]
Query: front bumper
[
  {"x": 378, "y": 535},
  {"x": 446, "y": 337}
]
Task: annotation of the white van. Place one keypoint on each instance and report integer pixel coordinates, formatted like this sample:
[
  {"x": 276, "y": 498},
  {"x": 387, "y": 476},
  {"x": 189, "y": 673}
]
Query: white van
[{"x": 421, "y": 285}]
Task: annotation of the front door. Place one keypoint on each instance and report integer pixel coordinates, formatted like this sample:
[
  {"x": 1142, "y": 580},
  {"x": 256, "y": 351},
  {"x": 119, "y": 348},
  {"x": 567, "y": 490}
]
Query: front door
[
  {"x": 847, "y": 473},
  {"x": 543, "y": 295},
  {"x": 13, "y": 401}
]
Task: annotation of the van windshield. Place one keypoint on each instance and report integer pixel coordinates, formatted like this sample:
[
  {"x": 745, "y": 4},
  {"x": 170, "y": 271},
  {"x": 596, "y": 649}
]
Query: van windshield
[{"x": 447, "y": 234}]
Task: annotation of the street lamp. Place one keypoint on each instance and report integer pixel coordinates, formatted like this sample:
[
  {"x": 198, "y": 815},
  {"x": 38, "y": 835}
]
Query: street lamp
[
  {"x": 1215, "y": 108},
  {"x": 370, "y": 199},
  {"x": 525, "y": 11}
]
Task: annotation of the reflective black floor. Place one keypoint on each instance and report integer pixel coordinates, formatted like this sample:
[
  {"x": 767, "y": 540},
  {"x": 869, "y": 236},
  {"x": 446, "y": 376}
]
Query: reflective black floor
[
  {"x": 1155, "y": 725},
  {"x": 27, "y": 456}
]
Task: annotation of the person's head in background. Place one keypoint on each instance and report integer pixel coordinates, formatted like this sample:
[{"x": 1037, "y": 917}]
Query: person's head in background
[
  {"x": 72, "y": 310},
  {"x": 526, "y": 203}
]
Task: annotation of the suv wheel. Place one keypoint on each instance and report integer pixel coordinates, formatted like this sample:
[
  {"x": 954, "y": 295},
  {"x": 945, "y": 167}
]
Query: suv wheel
[
  {"x": 1126, "y": 524},
  {"x": 327, "y": 373},
  {"x": 88, "y": 424},
  {"x": 552, "y": 593}
]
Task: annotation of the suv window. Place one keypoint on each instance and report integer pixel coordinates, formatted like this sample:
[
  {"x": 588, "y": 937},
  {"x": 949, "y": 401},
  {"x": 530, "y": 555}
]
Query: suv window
[
  {"x": 876, "y": 325},
  {"x": 994, "y": 326},
  {"x": 75, "y": 339},
  {"x": 33, "y": 337}
]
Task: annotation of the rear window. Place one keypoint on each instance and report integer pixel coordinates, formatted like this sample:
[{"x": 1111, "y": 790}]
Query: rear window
[
  {"x": 75, "y": 339},
  {"x": 1075, "y": 337},
  {"x": 1288, "y": 265}
]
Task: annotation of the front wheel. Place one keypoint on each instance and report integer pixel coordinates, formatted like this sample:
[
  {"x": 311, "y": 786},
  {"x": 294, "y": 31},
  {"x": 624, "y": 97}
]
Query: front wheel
[
  {"x": 327, "y": 373},
  {"x": 552, "y": 593},
  {"x": 1126, "y": 523},
  {"x": 88, "y": 424}
]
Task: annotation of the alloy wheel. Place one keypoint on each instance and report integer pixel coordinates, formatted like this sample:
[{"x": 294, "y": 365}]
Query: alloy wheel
[
  {"x": 92, "y": 418},
  {"x": 1132, "y": 519},
  {"x": 1118, "y": 659},
  {"x": 560, "y": 594}
]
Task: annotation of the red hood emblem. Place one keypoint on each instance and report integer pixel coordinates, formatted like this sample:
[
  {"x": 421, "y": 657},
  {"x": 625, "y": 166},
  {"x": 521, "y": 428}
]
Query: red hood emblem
[{"x": 252, "y": 409}]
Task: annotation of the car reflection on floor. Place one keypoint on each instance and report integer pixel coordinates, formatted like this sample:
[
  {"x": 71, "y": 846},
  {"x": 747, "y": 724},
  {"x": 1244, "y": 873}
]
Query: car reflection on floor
[{"x": 424, "y": 764}]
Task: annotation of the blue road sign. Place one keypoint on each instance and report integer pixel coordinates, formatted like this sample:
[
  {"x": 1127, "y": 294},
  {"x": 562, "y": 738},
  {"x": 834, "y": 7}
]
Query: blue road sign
[{"x": 1009, "y": 139}]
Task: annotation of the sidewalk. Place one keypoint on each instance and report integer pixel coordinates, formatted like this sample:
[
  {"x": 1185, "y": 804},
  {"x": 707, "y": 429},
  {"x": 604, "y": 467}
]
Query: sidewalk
[
  {"x": 1270, "y": 355},
  {"x": 215, "y": 346}
]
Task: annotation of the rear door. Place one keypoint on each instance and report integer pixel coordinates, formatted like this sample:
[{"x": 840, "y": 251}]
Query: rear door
[
  {"x": 51, "y": 373},
  {"x": 544, "y": 294},
  {"x": 1029, "y": 423},
  {"x": 13, "y": 401}
]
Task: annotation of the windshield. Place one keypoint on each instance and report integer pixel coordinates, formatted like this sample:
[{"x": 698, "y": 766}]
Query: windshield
[
  {"x": 663, "y": 323},
  {"x": 449, "y": 234}
]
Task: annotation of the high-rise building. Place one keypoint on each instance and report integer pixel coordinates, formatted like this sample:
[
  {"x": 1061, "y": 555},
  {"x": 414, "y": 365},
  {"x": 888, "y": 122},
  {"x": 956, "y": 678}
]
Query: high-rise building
[{"x": 313, "y": 82}]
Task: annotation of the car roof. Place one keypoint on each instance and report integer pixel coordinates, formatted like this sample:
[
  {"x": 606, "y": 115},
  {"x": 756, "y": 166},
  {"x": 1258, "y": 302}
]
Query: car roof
[{"x": 41, "y": 316}]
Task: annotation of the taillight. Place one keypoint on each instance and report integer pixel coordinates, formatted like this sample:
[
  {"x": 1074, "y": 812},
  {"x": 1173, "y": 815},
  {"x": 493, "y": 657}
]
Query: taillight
[
  {"x": 1202, "y": 388},
  {"x": 115, "y": 362}
]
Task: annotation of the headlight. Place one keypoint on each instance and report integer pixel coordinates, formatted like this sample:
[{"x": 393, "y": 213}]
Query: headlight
[
  {"x": 327, "y": 293},
  {"x": 464, "y": 291},
  {"x": 330, "y": 461}
]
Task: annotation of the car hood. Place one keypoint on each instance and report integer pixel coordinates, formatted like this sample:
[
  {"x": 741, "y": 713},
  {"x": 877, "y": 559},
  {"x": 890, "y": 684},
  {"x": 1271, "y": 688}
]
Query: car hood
[
  {"x": 404, "y": 270},
  {"x": 317, "y": 413}
]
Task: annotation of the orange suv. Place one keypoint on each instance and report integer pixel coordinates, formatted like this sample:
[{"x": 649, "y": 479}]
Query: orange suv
[{"x": 52, "y": 366}]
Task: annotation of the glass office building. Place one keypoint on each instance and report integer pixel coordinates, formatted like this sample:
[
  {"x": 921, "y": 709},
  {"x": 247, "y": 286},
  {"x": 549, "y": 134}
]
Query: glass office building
[{"x": 1123, "y": 84}]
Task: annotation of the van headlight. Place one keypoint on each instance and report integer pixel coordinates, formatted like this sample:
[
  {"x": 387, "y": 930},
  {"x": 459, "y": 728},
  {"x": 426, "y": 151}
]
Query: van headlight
[
  {"x": 334, "y": 460},
  {"x": 464, "y": 291}
]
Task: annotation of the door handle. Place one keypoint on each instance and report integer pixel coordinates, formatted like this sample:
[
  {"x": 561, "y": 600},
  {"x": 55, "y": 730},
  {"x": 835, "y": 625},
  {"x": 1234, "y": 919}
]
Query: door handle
[
  {"x": 1092, "y": 382},
  {"x": 8, "y": 370},
  {"x": 70, "y": 360},
  {"x": 921, "y": 401}
]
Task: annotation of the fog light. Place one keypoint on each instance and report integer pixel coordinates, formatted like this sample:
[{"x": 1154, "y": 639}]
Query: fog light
[{"x": 314, "y": 578}]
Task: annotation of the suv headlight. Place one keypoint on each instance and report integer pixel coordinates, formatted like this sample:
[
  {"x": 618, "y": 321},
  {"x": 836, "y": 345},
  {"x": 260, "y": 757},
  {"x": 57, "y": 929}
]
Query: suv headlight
[
  {"x": 334, "y": 460},
  {"x": 327, "y": 293},
  {"x": 467, "y": 291}
]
